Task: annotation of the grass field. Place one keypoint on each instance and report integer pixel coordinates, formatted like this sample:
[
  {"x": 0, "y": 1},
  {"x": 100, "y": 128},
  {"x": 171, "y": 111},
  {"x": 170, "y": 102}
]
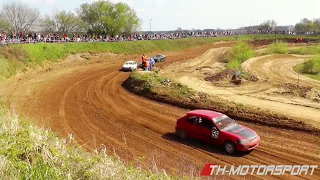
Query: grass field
[
  {"x": 311, "y": 50},
  {"x": 278, "y": 48},
  {"x": 37, "y": 53},
  {"x": 238, "y": 54},
  {"x": 310, "y": 68},
  {"x": 175, "y": 89},
  {"x": 18, "y": 58}
]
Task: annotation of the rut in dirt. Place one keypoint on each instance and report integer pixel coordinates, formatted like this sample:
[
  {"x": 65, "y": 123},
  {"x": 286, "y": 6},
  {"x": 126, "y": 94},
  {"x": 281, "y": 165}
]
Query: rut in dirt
[{"x": 90, "y": 103}]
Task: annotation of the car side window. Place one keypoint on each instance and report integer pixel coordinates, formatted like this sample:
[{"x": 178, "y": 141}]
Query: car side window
[
  {"x": 192, "y": 120},
  {"x": 206, "y": 123}
]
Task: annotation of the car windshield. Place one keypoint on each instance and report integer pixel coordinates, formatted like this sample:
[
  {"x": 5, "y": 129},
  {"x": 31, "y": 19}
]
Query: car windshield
[
  {"x": 224, "y": 122},
  {"x": 129, "y": 63},
  {"x": 158, "y": 56}
]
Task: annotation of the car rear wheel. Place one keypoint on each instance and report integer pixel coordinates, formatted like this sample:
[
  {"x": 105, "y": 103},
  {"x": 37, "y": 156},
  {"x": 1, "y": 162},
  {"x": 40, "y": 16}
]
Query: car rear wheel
[
  {"x": 230, "y": 147},
  {"x": 182, "y": 133}
]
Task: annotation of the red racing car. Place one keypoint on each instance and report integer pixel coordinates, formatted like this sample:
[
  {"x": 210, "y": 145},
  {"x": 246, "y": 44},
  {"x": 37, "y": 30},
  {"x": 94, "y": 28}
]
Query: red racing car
[{"x": 216, "y": 128}]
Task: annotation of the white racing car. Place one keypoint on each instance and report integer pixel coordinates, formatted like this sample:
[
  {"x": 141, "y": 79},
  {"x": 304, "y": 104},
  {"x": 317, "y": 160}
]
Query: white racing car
[{"x": 130, "y": 66}]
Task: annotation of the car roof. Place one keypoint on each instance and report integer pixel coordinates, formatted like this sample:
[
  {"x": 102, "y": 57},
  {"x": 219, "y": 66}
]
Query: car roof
[
  {"x": 207, "y": 113},
  {"x": 130, "y": 61}
]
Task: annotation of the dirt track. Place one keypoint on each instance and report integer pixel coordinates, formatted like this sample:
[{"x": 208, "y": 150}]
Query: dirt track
[
  {"x": 88, "y": 101},
  {"x": 273, "y": 72}
]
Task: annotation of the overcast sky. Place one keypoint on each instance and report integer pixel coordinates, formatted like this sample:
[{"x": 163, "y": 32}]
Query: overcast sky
[{"x": 201, "y": 14}]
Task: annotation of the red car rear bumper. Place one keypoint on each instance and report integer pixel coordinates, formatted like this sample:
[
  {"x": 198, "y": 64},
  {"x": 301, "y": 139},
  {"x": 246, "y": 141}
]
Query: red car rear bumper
[{"x": 250, "y": 146}]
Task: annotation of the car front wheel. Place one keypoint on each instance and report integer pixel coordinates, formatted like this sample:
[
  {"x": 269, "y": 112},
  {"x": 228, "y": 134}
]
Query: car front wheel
[
  {"x": 230, "y": 147},
  {"x": 182, "y": 133}
]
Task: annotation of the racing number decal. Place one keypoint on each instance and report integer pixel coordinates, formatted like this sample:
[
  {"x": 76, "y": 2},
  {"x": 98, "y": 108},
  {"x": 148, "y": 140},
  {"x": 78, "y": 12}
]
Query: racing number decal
[{"x": 215, "y": 133}]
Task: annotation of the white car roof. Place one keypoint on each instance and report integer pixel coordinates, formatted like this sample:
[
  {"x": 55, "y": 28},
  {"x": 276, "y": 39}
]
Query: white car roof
[{"x": 130, "y": 62}]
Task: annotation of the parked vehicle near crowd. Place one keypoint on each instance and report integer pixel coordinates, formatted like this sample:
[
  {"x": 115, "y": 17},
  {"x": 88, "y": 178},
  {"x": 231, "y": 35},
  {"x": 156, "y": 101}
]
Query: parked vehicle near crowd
[
  {"x": 159, "y": 58},
  {"x": 217, "y": 128},
  {"x": 130, "y": 66}
]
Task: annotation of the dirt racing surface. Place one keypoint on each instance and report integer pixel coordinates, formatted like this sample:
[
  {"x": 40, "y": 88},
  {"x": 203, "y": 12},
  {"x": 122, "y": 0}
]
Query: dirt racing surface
[
  {"x": 278, "y": 89},
  {"x": 86, "y": 99}
]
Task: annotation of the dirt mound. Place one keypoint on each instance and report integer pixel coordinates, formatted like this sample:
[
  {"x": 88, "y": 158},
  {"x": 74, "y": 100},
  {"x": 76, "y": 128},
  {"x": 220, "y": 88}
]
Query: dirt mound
[
  {"x": 225, "y": 56},
  {"x": 257, "y": 43},
  {"x": 203, "y": 67},
  {"x": 226, "y": 74},
  {"x": 265, "y": 42},
  {"x": 296, "y": 89}
]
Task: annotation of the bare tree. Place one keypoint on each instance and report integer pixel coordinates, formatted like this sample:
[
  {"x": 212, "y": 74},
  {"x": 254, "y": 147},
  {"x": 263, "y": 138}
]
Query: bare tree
[
  {"x": 19, "y": 16},
  {"x": 5, "y": 26},
  {"x": 267, "y": 25},
  {"x": 63, "y": 22},
  {"x": 306, "y": 25},
  {"x": 316, "y": 25}
]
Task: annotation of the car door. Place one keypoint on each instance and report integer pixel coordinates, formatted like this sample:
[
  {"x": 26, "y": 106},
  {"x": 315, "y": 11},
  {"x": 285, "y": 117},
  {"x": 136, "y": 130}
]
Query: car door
[
  {"x": 193, "y": 127},
  {"x": 135, "y": 65},
  {"x": 209, "y": 132}
]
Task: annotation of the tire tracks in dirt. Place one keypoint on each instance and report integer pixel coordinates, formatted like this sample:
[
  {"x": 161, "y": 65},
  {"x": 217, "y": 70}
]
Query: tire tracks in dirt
[
  {"x": 272, "y": 70},
  {"x": 90, "y": 103}
]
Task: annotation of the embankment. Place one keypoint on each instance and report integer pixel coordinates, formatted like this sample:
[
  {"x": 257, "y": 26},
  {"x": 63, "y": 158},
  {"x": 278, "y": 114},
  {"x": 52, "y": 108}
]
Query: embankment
[
  {"x": 151, "y": 87},
  {"x": 19, "y": 58}
]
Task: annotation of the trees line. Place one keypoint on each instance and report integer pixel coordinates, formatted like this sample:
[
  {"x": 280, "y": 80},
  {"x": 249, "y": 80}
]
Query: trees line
[
  {"x": 307, "y": 25},
  {"x": 97, "y": 18}
]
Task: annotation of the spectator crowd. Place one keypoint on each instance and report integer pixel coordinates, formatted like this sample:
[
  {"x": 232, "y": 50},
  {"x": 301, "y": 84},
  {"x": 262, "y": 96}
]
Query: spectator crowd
[{"x": 58, "y": 38}]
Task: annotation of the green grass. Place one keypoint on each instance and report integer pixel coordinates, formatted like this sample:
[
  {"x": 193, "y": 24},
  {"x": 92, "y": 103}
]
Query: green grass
[
  {"x": 7, "y": 68},
  {"x": 17, "y": 58},
  {"x": 153, "y": 83},
  {"x": 31, "y": 55},
  {"x": 238, "y": 54},
  {"x": 40, "y": 52},
  {"x": 28, "y": 152},
  {"x": 311, "y": 50},
  {"x": 298, "y": 68},
  {"x": 278, "y": 47},
  {"x": 310, "y": 68}
]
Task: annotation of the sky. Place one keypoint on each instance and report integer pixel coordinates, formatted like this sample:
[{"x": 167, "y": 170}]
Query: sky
[{"x": 200, "y": 14}]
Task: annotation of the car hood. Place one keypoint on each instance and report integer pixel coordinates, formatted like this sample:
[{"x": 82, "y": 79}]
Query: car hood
[{"x": 242, "y": 131}]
